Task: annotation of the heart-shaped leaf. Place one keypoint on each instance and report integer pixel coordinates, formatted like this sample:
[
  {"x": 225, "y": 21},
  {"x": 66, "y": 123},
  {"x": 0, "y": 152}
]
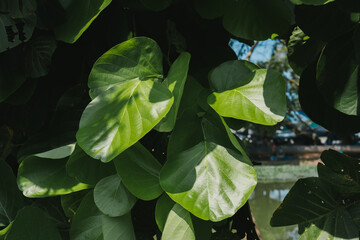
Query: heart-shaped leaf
[
  {"x": 260, "y": 98},
  {"x": 112, "y": 198},
  {"x": 139, "y": 171},
  {"x": 128, "y": 99},
  {"x": 193, "y": 179},
  {"x": 178, "y": 225}
]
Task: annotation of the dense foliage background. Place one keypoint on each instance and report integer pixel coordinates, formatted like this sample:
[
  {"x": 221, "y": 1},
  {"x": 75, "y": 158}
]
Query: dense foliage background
[{"x": 116, "y": 116}]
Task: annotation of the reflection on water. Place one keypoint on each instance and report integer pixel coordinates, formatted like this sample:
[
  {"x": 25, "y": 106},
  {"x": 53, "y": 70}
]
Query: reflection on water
[{"x": 263, "y": 202}]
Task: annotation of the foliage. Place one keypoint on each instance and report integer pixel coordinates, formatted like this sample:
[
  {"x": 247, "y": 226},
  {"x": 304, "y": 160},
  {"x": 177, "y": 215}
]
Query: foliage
[{"x": 114, "y": 116}]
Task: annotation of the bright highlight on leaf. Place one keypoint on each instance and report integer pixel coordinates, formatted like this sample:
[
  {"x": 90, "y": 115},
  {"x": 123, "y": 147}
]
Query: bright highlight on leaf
[{"x": 128, "y": 99}]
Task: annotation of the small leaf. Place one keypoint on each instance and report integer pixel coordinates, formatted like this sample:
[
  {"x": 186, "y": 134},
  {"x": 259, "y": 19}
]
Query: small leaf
[
  {"x": 162, "y": 209},
  {"x": 87, "y": 222},
  {"x": 175, "y": 81},
  {"x": 139, "y": 171},
  {"x": 80, "y": 14},
  {"x": 178, "y": 225},
  {"x": 128, "y": 99},
  {"x": 42, "y": 177},
  {"x": 118, "y": 228},
  {"x": 193, "y": 179},
  {"x": 32, "y": 223},
  {"x": 86, "y": 169},
  {"x": 260, "y": 99},
  {"x": 112, "y": 198},
  {"x": 57, "y": 153},
  {"x": 71, "y": 202}
]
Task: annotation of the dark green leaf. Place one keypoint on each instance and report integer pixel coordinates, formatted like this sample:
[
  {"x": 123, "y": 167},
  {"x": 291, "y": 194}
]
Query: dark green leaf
[
  {"x": 339, "y": 62},
  {"x": 178, "y": 225},
  {"x": 258, "y": 98},
  {"x": 4, "y": 231},
  {"x": 87, "y": 222},
  {"x": 193, "y": 178},
  {"x": 163, "y": 207},
  {"x": 128, "y": 99},
  {"x": 9, "y": 82},
  {"x": 312, "y": 2},
  {"x": 139, "y": 171},
  {"x": 156, "y": 5},
  {"x": 38, "y": 55},
  {"x": 80, "y": 14},
  {"x": 86, "y": 169},
  {"x": 211, "y": 9},
  {"x": 257, "y": 20},
  {"x": 319, "y": 111},
  {"x": 112, "y": 197},
  {"x": 71, "y": 202},
  {"x": 10, "y": 197},
  {"x": 42, "y": 177},
  {"x": 175, "y": 81},
  {"x": 118, "y": 228},
  {"x": 32, "y": 223}
]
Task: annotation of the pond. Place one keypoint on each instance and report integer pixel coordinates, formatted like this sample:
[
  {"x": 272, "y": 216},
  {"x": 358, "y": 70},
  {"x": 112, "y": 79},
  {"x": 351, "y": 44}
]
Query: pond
[{"x": 274, "y": 183}]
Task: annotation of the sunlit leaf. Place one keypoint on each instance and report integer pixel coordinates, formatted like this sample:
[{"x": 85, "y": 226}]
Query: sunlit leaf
[
  {"x": 128, "y": 99},
  {"x": 210, "y": 181}
]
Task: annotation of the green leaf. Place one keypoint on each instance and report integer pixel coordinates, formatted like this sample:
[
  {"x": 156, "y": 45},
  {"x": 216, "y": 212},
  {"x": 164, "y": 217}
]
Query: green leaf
[
  {"x": 57, "y": 153},
  {"x": 80, "y": 14},
  {"x": 339, "y": 62},
  {"x": 86, "y": 169},
  {"x": 312, "y": 200},
  {"x": 112, "y": 197},
  {"x": 211, "y": 9},
  {"x": 87, "y": 222},
  {"x": 312, "y": 2},
  {"x": 341, "y": 171},
  {"x": 315, "y": 106},
  {"x": 4, "y": 231},
  {"x": 156, "y": 5},
  {"x": 315, "y": 232},
  {"x": 42, "y": 177},
  {"x": 260, "y": 98},
  {"x": 32, "y": 223},
  {"x": 193, "y": 179},
  {"x": 302, "y": 50},
  {"x": 257, "y": 20},
  {"x": 10, "y": 81},
  {"x": 139, "y": 171},
  {"x": 71, "y": 202},
  {"x": 162, "y": 209},
  {"x": 38, "y": 55},
  {"x": 178, "y": 225},
  {"x": 128, "y": 99},
  {"x": 10, "y": 197},
  {"x": 230, "y": 74},
  {"x": 175, "y": 81},
  {"x": 118, "y": 228}
]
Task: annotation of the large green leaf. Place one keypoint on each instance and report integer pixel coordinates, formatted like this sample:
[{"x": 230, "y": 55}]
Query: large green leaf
[
  {"x": 10, "y": 197},
  {"x": 118, "y": 228},
  {"x": 112, "y": 197},
  {"x": 210, "y": 181},
  {"x": 86, "y": 169},
  {"x": 139, "y": 171},
  {"x": 178, "y": 225},
  {"x": 33, "y": 224},
  {"x": 163, "y": 207},
  {"x": 339, "y": 62},
  {"x": 257, "y": 20},
  {"x": 80, "y": 14},
  {"x": 258, "y": 98},
  {"x": 175, "y": 81},
  {"x": 128, "y": 99},
  {"x": 38, "y": 55},
  {"x": 43, "y": 177},
  {"x": 87, "y": 222},
  {"x": 313, "y": 201},
  {"x": 315, "y": 106}
]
